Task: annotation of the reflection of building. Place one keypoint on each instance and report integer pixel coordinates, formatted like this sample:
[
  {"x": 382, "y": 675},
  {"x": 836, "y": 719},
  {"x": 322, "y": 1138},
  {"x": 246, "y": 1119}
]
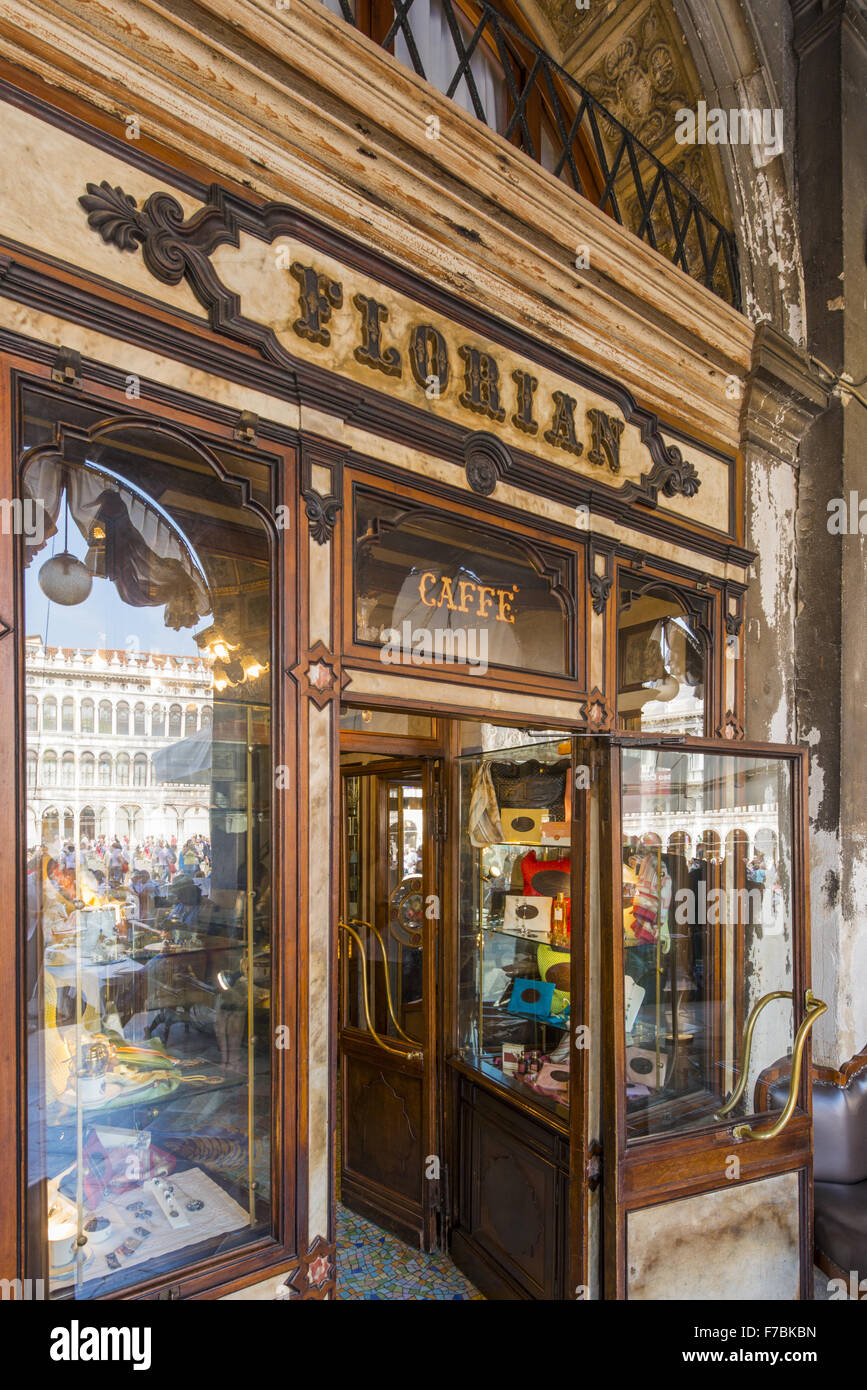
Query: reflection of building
[{"x": 94, "y": 721}]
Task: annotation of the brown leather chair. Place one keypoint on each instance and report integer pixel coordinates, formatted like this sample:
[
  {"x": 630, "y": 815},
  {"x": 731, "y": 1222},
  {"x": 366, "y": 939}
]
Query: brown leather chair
[
  {"x": 840, "y": 1166},
  {"x": 839, "y": 1163}
]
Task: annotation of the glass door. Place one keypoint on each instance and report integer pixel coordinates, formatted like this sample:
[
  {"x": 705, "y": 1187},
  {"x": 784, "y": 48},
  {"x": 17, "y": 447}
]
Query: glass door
[
  {"x": 706, "y": 951},
  {"x": 389, "y": 914}
]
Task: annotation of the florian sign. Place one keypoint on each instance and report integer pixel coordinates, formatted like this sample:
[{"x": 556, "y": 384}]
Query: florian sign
[
  {"x": 264, "y": 285},
  {"x": 481, "y": 388}
]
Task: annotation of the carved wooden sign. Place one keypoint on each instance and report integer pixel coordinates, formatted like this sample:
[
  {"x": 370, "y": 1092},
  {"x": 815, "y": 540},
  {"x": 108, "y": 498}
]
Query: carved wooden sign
[{"x": 262, "y": 283}]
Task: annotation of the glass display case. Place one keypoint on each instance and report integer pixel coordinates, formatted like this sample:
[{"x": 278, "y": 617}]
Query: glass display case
[
  {"x": 707, "y": 899},
  {"x": 148, "y": 903},
  {"x": 515, "y": 871}
]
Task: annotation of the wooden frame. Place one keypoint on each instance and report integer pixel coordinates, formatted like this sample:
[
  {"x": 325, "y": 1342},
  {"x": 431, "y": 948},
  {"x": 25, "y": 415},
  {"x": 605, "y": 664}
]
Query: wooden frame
[
  {"x": 279, "y": 1251},
  {"x": 665, "y": 1167},
  {"x": 572, "y": 684}
]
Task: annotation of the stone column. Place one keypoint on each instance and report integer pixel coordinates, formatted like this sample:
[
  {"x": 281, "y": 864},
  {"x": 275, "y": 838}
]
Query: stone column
[
  {"x": 782, "y": 399},
  {"x": 831, "y": 679}
]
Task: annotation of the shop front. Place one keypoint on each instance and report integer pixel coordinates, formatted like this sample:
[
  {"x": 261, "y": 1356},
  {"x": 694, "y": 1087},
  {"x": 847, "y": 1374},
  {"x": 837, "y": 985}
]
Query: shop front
[{"x": 384, "y": 829}]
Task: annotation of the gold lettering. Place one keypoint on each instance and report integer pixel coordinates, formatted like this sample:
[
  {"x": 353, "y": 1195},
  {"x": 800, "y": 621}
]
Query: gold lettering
[
  {"x": 422, "y": 589},
  {"x": 483, "y": 606},
  {"x": 507, "y": 597},
  {"x": 446, "y": 596},
  {"x": 463, "y": 586}
]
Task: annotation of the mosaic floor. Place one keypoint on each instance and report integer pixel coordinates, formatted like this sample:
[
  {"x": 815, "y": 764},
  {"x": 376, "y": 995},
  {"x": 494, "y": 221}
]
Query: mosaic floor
[{"x": 371, "y": 1264}]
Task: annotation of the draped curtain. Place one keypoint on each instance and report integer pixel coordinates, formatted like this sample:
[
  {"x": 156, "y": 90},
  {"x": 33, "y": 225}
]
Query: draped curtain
[{"x": 151, "y": 564}]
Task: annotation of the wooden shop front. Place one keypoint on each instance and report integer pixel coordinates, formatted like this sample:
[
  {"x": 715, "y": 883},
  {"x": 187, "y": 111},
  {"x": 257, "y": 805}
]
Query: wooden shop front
[{"x": 384, "y": 825}]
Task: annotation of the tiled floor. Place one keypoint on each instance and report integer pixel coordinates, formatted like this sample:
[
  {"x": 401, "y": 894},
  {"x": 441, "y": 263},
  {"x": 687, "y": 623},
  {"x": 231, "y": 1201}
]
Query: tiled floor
[{"x": 374, "y": 1265}]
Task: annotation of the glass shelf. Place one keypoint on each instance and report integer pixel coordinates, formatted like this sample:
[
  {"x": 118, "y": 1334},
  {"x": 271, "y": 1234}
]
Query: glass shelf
[{"x": 493, "y": 956}]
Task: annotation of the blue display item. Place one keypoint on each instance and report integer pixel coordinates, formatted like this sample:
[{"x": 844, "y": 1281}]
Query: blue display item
[{"x": 531, "y": 997}]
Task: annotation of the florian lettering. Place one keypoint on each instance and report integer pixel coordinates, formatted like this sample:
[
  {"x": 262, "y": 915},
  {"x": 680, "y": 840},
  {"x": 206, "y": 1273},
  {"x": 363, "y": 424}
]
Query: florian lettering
[
  {"x": 370, "y": 353},
  {"x": 481, "y": 600},
  {"x": 481, "y": 384},
  {"x": 606, "y": 433},
  {"x": 525, "y": 388},
  {"x": 430, "y": 351},
  {"x": 317, "y": 296},
  {"x": 562, "y": 431},
  {"x": 429, "y": 357}
]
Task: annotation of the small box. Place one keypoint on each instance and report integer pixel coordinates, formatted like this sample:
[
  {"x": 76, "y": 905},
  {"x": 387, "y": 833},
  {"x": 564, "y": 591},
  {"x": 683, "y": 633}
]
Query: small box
[
  {"x": 528, "y": 916},
  {"x": 513, "y": 1053},
  {"x": 521, "y": 826},
  {"x": 556, "y": 832}
]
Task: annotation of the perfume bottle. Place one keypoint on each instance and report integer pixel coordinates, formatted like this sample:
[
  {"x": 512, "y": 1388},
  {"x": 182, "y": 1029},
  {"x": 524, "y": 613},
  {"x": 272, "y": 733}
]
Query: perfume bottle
[{"x": 559, "y": 930}]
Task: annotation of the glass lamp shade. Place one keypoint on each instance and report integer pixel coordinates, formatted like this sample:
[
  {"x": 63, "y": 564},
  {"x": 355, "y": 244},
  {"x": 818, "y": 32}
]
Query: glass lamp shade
[{"x": 65, "y": 580}]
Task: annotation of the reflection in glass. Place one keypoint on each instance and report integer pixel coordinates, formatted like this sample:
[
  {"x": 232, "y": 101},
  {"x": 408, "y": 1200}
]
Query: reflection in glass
[
  {"x": 707, "y": 929},
  {"x": 662, "y": 665},
  {"x": 149, "y": 880}
]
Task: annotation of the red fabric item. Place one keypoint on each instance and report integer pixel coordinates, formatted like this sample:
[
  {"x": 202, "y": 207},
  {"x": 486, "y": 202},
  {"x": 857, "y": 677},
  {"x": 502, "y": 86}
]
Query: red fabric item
[{"x": 531, "y": 866}]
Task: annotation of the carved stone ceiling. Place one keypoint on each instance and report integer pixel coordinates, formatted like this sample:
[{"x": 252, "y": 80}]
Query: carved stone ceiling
[{"x": 632, "y": 55}]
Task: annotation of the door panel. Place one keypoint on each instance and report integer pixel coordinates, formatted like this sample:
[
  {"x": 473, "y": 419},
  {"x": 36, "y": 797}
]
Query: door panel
[
  {"x": 706, "y": 960},
  {"x": 387, "y": 998}
]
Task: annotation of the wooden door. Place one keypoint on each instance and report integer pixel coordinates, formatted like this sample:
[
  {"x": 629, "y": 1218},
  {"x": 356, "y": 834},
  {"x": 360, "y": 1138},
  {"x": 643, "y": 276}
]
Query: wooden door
[
  {"x": 389, "y": 1164},
  {"x": 707, "y": 1177}
]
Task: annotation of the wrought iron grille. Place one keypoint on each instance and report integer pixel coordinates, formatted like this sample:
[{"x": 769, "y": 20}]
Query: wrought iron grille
[{"x": 585, "y": 144}]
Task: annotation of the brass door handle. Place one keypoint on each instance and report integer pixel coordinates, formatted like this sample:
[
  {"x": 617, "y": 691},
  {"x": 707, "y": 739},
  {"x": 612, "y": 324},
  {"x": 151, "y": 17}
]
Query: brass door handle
[
  {"x": 360, "y": 922},
  {"x": 395, "y": 1051},
  {"x": 746, "y": 1048},
  {"x": 815, "y": 1008}
]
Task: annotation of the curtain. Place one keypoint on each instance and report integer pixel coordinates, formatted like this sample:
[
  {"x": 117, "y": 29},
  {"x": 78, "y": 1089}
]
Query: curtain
[
  {"x": 152, "y": 565},
  {"x": 436, "y": 48}
]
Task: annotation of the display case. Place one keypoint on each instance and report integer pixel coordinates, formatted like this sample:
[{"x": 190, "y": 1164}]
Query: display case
[
  {"x": 515, "y": 920},
  {"x": 150, "y": 1070}
]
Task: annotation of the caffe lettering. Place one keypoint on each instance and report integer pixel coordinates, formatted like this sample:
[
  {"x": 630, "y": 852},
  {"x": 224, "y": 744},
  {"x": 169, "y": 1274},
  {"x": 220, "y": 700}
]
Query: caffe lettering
[
  {"x": 485, "y": 391},
  {"x": 465, "y": 596}
]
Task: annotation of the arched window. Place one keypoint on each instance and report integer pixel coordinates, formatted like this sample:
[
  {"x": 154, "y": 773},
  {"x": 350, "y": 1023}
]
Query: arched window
[
  {"x": 87, "y": 769},
  {"x": 138, "y": 721},
  {"x": 67, "y": 771},
  {"x": 32, "y": 714},
  {"x": 50, "y": 825},
  {"x": 190, "y": 720},
  {"x": 49, "y": 715},
  {"x": 207, "y": 716},
  {"x": 122, "y": 724},
  {"x": 158, "y": 721},
  {"x": 31, "y": 768},
  {"x": 105, "y": 769},
  {"x": 87, "y": 823},
  {"x": 175, "y": 717},
  {"x": 86, "y": 715},
  {"x": 122, "y": 769},
  {"x": 662, "y": 667},
  {"x": 105, "y": 724},
  {"x": 67, "y": 715},
  {"x": 140, "y": 770},
  {"x": 49, "y": 769}
]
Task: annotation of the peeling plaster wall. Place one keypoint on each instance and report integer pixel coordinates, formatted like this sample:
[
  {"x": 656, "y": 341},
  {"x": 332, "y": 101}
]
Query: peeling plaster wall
[
  {"x": 831, "y": 680},
  {"x": 772, "y": 500}
]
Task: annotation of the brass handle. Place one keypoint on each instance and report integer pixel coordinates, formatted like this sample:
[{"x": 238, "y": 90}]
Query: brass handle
[
  {"x": 395, "y": 1051},
  {"x": 815, "y": 1008},
  {"x": 747, "y": 1047},
  {"x": 360, "y": 922}
]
